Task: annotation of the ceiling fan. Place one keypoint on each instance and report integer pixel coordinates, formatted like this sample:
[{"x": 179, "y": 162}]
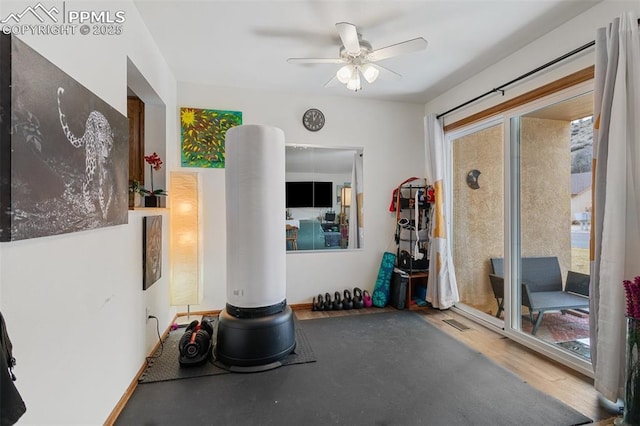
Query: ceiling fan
[{"x": 358, "y": 57}]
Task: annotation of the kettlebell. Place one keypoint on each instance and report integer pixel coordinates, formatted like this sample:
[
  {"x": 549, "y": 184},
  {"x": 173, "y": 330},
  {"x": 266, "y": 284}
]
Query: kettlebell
[
  {"x": 320, "y": 304},
  {"x": 313, "y": 304},
  {"x": 337, "y": 302},
  {"x": 348, "y": 302},
  {"x": 357, "y": 299},
  {"x": 366, "y": 299},
  {"x": 327, "y": 302}
]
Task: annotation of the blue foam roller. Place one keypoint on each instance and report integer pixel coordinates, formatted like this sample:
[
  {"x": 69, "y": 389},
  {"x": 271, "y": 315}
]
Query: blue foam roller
[{"x": 380, "y": 294}]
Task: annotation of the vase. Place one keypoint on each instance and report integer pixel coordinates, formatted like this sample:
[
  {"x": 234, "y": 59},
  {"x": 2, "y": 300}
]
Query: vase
[
  {"x": 631, "y": 415},
  {"x": 151, "y": 201}
]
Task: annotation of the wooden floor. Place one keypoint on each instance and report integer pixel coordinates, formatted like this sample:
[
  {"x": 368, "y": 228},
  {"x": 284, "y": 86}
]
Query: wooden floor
[{"x": 556, "y": 380}]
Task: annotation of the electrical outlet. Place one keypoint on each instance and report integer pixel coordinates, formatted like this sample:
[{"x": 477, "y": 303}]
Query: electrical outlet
[{"x": 147, "y": 313}]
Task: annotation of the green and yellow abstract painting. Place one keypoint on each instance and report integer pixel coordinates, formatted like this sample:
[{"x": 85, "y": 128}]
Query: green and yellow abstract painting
[{"x": 202, "y": 133}]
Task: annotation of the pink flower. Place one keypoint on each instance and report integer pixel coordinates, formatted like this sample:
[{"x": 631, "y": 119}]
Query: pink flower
[
  {"x": 154, "y": 160},
  {"x": 632, "y": 296}
]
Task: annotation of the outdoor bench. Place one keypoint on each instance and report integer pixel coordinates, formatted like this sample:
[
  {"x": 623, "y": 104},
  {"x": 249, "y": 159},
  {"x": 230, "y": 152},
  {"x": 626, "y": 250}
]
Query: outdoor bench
[{"x": 542, "y": 289}]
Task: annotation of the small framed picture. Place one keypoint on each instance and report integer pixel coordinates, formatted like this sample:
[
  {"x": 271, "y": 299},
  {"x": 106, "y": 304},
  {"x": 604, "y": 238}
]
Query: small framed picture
[{"x": 152, "y": 250}]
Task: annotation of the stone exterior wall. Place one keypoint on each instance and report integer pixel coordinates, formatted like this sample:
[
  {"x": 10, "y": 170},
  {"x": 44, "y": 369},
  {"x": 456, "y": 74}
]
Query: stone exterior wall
[
  {"x": 478, "y": 215},
  {"x": 546, "y": 189}
]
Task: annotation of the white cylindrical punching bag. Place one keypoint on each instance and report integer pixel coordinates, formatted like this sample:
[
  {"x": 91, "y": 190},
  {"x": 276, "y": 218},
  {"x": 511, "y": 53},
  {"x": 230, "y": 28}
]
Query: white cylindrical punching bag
[
  {"x": 256, "y": 329},
  {"x": 255, "y": 195}
]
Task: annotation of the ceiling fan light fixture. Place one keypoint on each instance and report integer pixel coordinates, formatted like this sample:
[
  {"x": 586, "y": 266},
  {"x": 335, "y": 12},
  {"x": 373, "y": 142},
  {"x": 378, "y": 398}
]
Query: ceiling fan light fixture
[
  {"x": 370, "y": 72},
  {"x": 344, "y": 74},
  {"x": 357, "y": 56},
  {"x": 354, "y": 81}
]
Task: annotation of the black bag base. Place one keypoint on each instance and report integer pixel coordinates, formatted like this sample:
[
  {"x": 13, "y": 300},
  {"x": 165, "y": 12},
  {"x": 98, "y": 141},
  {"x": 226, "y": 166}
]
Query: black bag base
[{"x": 398, "y": 290}]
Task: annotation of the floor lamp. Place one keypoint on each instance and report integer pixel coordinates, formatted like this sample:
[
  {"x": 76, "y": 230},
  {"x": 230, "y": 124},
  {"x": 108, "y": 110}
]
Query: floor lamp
[
  {"x": 185, "y": 248},
  {"x": 345, "y": 203}
]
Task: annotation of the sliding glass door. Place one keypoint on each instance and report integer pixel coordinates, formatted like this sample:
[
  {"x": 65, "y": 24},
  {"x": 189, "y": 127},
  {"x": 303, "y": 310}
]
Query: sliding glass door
[
  {"x": 551, "y": 155},
  {"x": 521, "y": 203}
]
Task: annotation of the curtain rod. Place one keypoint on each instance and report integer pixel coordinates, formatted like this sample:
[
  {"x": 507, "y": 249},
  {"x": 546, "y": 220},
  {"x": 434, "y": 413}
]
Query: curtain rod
[{"x": 522, "y": 77}]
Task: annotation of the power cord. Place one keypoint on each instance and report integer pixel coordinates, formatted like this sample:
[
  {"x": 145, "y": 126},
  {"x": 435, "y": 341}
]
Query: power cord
[{"x": 149, "y": 358}]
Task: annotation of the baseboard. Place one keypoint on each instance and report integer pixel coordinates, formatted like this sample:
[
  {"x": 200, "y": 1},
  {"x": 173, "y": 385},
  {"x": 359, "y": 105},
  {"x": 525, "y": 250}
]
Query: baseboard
[
  {"x": 198, "y": 313},
  {"x": 134, "y": 383},
  {"x": 125, "y": 397},
  {"x": 301, "y": 306}
]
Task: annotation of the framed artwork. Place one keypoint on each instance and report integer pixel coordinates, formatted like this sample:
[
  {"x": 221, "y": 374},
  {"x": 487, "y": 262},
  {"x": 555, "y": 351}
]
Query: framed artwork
[
  {"x": 63, "y": 150},
  {"x": 152, "y": 250},
  {"x": 202, "y": 134}
]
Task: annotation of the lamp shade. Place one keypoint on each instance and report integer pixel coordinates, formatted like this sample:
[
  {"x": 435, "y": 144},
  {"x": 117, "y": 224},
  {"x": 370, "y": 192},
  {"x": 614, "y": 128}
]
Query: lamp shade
[
  {"x": 186, "y": 274},
  {"x": 344, "y": 74},
  {"x": 346, "y": 196},
  {"x": 354, "y": 81},
  {"x": 370, "y": 72}
]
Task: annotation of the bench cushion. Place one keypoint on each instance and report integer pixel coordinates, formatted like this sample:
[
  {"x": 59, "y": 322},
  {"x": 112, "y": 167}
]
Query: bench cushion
[{"x": 556, "y": 301}]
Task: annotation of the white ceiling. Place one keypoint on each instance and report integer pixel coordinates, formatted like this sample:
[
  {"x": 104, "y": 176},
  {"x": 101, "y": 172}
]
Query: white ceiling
[{"x": 245, "y": 44}]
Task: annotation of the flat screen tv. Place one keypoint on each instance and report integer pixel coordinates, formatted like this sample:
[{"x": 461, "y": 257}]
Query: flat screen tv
[{"x": 309, "y": 194}]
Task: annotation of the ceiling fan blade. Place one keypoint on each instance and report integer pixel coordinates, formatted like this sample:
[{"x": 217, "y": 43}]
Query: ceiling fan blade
[
  {"x": 408, "y": 46},
  {"x": 349, "y": 36},
  {"x": 331, "y": 82},
  {"x": 316, "y": 60},
  {"x": 386, "y": 73}
]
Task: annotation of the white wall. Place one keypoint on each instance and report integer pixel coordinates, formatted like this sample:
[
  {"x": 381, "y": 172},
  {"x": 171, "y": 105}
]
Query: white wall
[
  {"x": 392, "y": 137},
  {"x": 74, "y": 304},
  {"x": 569, "y": 36},
  {"x": 155, "y": 140}
]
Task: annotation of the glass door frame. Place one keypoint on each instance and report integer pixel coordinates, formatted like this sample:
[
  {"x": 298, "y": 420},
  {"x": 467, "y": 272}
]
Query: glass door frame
[
  {"x": 466, "y": 310},
  {"x": 510, "y": 327}
]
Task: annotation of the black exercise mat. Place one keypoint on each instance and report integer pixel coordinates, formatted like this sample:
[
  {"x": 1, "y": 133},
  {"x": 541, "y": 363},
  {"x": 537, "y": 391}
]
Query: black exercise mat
[
  {"x": 388, "y": 368},
  {"x": 167, "y": 365}
]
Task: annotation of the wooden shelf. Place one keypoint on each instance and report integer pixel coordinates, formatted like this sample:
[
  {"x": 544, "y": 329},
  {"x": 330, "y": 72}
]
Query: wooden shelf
[{"x": 418, "y": 277}]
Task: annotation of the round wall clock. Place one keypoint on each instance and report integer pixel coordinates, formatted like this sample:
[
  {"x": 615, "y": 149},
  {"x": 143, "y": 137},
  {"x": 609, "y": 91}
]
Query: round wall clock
[{"x": 313, "y": 119}]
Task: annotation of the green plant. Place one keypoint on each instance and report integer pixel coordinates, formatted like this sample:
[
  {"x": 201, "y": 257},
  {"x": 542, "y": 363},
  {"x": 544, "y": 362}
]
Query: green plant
[{"x": 135, "y": 187}]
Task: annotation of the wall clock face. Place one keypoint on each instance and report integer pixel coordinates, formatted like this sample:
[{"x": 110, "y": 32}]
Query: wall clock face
[{"x": 313, "y": 119}]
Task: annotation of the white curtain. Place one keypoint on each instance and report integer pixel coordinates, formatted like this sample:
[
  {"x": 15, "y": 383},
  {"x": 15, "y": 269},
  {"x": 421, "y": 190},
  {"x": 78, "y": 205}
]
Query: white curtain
[
  {"x": 356, "y": 227},
  {"x": 616, "y": 187},
  {"x": 442, "y": 289}
]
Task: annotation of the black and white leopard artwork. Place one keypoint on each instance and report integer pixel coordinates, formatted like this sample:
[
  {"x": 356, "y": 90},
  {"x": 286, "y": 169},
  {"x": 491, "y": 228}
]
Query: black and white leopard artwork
[{"x": 97, "y": 188}]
